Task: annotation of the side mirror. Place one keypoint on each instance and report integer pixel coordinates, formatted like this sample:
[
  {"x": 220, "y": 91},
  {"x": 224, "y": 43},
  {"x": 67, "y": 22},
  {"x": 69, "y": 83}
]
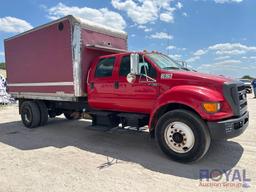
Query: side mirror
[
  {"x": 134, "y": 58},
  {"x": 131, "y": 78}
]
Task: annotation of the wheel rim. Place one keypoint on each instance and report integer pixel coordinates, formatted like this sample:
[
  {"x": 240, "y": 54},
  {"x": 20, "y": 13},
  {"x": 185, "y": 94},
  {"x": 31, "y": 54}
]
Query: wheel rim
[
  {"x": 27, "y": 115},
  {"x": 179, "y": 137}
]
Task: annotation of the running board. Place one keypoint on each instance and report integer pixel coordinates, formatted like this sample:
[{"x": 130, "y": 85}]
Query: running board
[{"x": 99, "y": 128}]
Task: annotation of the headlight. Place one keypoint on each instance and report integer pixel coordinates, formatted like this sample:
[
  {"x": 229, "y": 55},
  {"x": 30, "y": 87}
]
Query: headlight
[{"x": 211, "y": 107}]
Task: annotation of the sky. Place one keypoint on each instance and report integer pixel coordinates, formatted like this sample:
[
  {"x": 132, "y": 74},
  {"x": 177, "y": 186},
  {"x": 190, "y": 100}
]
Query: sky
[{"x": 212, "y": 36}]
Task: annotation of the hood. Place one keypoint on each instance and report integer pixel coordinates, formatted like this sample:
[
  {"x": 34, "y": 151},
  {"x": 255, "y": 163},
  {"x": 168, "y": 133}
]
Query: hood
[{"x": 200, "y": 77}]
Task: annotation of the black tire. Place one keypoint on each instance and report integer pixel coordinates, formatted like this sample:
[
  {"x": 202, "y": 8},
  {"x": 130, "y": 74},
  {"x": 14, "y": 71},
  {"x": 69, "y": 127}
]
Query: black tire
[
  {"x": 43, "y": 113},
  {"x": 199, "y": 129},
  {"x": 30, "y": 114},
  {"x": 68, "y": 116}
]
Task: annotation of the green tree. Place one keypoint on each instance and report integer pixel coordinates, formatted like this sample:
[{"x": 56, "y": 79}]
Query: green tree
[
  {"x": 247, "y": 77},
  {"x": 2, "y": 66}
]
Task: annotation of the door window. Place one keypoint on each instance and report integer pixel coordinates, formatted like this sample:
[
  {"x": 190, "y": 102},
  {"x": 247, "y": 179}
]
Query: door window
[
  {"x": 147, "y": 68},
  {"x": 125, "y": 67},
  {"x": 105, "y": 67}
]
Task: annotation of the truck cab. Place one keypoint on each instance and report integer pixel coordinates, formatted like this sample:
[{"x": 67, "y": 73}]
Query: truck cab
[
  {"x": 182, "y": 108},
  {"x": 109, "y": 89}
]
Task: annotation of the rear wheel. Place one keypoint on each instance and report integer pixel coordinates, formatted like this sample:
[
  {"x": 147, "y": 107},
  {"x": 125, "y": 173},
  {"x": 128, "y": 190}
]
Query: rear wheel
[
  {"x": 30, "y": 114},
  {"x": 182, "y": 136},
  {"x": 43, "y": 112}
]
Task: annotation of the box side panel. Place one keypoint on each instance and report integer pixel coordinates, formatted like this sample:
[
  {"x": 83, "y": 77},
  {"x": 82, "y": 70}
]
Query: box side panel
[
  {"x": 94, "y": 38},
  {"x": 43, "y": 57},
  {"x": 41, "y": 89}
]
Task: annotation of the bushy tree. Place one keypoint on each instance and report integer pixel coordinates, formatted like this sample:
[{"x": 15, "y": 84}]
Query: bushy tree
[
  {"x": 2, "y": 66},
  {"x": 247, "y": 77}
]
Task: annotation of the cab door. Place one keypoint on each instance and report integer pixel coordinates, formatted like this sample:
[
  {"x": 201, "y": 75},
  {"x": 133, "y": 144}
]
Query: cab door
[
  {"x": 139, "y": 96},
  {"x": 101, "y": 84}
]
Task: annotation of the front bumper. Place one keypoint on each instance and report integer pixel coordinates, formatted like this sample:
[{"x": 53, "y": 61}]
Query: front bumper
[{"x": 229, "y": 128}]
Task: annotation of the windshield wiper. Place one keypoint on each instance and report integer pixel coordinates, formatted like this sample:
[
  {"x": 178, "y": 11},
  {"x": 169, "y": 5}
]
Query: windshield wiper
[
  {"x": 171, "y": 68},
  {"x": 186, "y": 69}
]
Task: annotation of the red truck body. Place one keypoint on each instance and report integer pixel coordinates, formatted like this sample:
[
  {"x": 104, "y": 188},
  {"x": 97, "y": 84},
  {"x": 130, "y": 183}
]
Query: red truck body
[{"x": 80, "y": 69}]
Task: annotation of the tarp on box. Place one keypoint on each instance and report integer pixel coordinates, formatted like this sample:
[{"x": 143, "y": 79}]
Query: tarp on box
[{"x": 5, "y": 98}]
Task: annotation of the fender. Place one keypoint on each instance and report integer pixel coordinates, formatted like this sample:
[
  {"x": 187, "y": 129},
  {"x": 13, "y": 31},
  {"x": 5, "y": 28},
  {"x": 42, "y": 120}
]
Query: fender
[{"x": 191, "y": 96}]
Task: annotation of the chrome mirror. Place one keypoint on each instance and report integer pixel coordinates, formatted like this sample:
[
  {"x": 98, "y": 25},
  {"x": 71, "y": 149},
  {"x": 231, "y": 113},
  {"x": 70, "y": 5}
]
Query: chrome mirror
[
  {"x": 134, "y": 58},
  {"x": 131, "y": 78}
]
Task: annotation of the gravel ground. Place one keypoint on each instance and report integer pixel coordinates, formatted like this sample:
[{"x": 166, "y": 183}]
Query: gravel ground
[
  {"x": 70, "y": 156},
  {"x": 3, "y": 72}
]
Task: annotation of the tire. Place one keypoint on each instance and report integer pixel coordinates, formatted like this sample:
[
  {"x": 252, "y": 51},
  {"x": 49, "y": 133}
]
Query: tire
[
  {"x": 43, "y": 113},
  {"x": 182, "y": 136},
  {"x": 30, "y": 114},
  {"x": 68, "y": 116}
]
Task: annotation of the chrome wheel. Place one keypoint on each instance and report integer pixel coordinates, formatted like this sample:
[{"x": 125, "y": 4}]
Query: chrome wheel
[{"x": 179, "y": 137}]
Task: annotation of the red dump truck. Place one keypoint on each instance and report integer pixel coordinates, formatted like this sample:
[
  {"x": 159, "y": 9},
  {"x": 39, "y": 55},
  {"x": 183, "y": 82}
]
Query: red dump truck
[{"x": 75, "y": 67}]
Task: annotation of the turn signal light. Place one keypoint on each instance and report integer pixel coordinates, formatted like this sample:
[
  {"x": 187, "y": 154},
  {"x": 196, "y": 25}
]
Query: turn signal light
[{"x": 211, "y": 107}]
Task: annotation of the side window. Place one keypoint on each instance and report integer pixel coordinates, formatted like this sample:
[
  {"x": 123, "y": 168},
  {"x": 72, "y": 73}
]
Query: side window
[
  {"x": 150, "y": 71},
  {"x": 125, "y": 66},
  {"x": 105, "y": 67}
]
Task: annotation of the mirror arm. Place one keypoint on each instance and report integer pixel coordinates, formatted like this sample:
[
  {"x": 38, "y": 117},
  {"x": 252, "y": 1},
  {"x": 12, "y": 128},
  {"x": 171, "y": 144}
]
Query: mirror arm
[{"x": 147, "y": 77}]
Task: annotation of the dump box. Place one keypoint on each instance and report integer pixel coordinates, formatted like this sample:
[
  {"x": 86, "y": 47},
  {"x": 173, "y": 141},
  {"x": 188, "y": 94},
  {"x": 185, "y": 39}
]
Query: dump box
[{"x": 51, "y": 62}]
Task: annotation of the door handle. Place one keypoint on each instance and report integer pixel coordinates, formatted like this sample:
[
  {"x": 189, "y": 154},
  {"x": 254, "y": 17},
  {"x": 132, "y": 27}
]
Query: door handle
[
  {"x": 116, "y": 85},
  {"x": 92, "y": 85},
  {"x": 153, "y": 84}
]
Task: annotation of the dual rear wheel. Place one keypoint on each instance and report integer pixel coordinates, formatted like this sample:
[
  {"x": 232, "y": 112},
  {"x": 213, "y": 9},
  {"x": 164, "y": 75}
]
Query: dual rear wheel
[{"x": 34, "y": 113}]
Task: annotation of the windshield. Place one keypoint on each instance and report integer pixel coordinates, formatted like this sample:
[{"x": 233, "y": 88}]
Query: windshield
[{"x": 165, "y": 62}]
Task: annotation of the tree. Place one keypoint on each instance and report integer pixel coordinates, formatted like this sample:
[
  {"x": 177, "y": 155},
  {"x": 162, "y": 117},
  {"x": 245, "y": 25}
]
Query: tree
[
  {"x": 247, "y": 77},
  {"x": 2, "y": 66}
]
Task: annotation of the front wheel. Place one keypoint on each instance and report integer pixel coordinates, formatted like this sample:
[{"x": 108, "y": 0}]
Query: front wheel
[{"x": 182, "y": 136}]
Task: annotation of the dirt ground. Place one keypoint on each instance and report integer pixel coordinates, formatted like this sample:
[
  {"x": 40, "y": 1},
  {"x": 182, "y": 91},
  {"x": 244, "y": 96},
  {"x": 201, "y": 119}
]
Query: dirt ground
[
  {"x": 3, "y": 72},
  {"x": 70, "y": 156}
]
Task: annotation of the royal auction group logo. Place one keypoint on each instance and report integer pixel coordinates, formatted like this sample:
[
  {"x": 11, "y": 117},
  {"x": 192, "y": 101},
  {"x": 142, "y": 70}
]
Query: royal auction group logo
[{"x": 219, "y": 178}]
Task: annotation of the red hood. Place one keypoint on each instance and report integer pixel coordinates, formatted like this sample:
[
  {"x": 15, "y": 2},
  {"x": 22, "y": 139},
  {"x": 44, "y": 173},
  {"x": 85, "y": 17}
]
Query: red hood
[{"x": 196, "y": 76}]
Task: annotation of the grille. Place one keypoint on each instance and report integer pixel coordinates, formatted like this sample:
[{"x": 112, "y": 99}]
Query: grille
[
  {"x": 241, "y": 88},
  {"x": 242, "y": 98},
  {"x": 243, "y": 105},
  {"x": 235, "y": 93}
]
